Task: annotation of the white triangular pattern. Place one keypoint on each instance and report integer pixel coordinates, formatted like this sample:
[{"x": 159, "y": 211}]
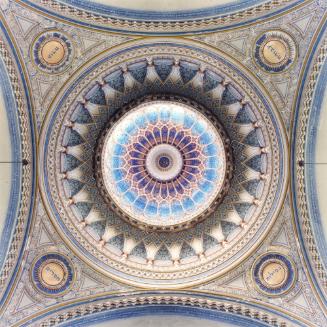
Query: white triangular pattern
[
  {"x": 238, "y": 44},
  {"x": 237, "y": 282},
  {"x": 281, "y": 238},
  {"x": 89, "y": 282},
  {"x": 89, "y": 43},
  {"x": 282, "y": 88},
  {"x": 24, "y": 302},
  {"x": 301, "y": 301},
  {"x": 44, "y": 237},
  {"x": 43, "y": 88},
  {"x": 303, "y": 23},
  {"x": 25, "y": 24}
]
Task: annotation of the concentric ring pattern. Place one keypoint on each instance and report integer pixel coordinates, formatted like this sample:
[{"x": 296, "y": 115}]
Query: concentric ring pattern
[
  {"x": 212, "y": 88},
  {"x": 163, "y": 164}
]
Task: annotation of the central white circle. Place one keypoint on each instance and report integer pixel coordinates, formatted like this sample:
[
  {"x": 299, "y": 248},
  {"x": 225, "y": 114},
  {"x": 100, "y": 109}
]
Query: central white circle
[{"x": 164, "y": 150}]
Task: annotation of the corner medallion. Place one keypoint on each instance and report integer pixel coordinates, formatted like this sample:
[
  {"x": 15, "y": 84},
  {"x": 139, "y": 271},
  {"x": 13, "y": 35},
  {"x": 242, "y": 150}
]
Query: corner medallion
[
  {"x": 274, "y": 274},
  {"x": 52, "y": 52},
  {"x": 275, "y": 51},
  {"x": 52, "y": 274}
]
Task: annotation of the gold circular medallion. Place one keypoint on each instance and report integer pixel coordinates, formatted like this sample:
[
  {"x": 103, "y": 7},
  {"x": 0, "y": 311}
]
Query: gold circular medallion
[
  {"x": 53, "y": 274},
  {"x": 53, "y": 52},
  {"x": 274, "y": 274},
  {"x": 275, "y": 51}
]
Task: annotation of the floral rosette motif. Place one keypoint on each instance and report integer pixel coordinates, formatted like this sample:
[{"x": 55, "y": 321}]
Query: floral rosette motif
[{"x": 163, "y": 164}]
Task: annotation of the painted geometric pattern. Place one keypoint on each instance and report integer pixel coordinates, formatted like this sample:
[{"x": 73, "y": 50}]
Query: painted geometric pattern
[
  {"x": 147, "y": 197},
  {"x": 248, "y": 139}
]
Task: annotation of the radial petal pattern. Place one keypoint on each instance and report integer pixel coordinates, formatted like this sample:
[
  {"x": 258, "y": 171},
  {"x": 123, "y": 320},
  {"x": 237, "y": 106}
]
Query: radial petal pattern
[{"x": 163, "y": 164}]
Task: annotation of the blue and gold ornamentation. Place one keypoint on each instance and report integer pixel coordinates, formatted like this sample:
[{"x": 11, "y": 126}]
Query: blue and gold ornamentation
[
  {"x": 275, "y": 51},
  {"x": 164, "y": 165},
  {"x": 52, "y": 52},
  {"x": 52, "y": 274},
  {"x": 137, "y": 250},
  {"x": 274, "y": 274}
]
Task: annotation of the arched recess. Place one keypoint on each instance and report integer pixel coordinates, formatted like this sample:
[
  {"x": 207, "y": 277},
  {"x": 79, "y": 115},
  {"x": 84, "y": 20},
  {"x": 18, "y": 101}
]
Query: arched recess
[
  {"x": 168, "y": 18},
  {"x": 231, "y": 312}
]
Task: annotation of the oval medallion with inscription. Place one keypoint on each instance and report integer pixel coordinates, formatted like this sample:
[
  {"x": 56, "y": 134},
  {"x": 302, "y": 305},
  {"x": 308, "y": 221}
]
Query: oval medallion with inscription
[
  {"x": 52, "y": 273},
  {"x": 275, "y": 51},
  {"x": 52, "y": 52},
  {"x": 273, "y": 274}
]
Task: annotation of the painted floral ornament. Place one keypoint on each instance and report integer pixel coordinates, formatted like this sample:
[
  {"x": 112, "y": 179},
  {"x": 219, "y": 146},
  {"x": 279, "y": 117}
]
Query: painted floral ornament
[{"x": 163, "y": 165}]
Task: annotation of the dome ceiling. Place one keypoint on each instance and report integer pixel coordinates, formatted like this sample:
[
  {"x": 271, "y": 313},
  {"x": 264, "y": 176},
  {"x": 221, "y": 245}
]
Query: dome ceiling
[
  {"x": 162, "y": 157},
  {"x": 243, "y": 150}
]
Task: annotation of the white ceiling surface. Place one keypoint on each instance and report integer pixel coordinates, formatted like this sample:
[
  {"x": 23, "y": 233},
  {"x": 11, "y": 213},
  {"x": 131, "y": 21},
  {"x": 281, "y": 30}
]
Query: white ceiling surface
[
  {"x": 162, "y": 321},
  {"x": 321, "y": 157},
  {"x": 5, "y": 169},
  {"x": 165, "y": 5}
]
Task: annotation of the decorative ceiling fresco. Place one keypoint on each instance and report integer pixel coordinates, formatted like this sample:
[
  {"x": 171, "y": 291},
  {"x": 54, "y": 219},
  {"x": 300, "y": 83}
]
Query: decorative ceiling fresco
[{"x": 163, "y": 162}]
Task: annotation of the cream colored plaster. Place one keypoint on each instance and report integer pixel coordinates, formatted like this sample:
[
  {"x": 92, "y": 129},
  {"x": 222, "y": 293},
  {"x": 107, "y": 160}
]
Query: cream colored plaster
[
  {"x": 5, "y": 169},
  {"x": 166, "y": 5},
  {"x": 162, "y": 321},
  {"x": 321, "y": 170}
]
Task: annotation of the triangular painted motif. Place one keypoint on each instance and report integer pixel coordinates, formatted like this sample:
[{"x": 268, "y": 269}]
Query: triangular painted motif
[
  {"x": 44, "y": 88},
  {"x": 89, "y": 282},
  {"x": 25, "y": 24},
  {"x": 24, "y": 302},
  {"x": 301, "y": 301},
  {"x": 44, "y": 237},
  {"x": 237, "y": 283},
  {"x": 281, "y": 239},
  {"x": 303, "y": 23},
  {"x": 90, "y": 43},
  {"x": 282, "y": 88},
  {"x": 238, "y": 44}
]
